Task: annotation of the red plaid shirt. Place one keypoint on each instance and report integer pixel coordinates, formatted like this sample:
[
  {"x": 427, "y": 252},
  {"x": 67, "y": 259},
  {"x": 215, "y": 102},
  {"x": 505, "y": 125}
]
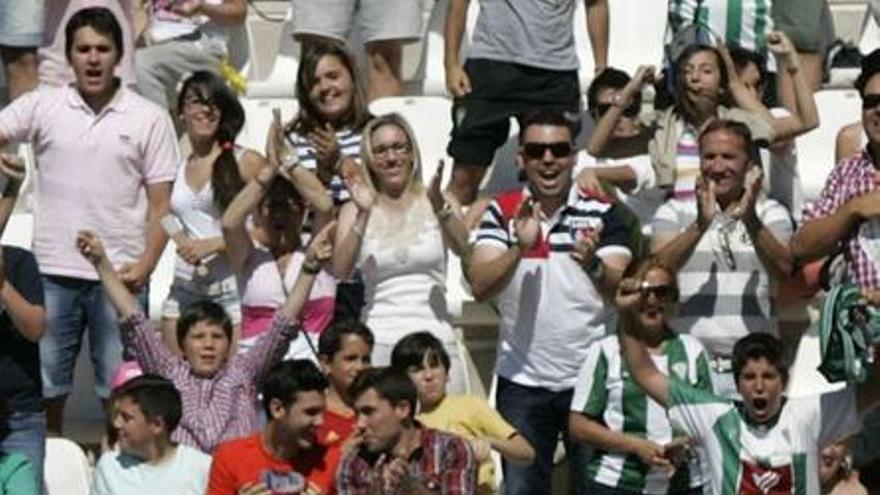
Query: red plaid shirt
[
  {"x": 443, "y": 462},
  {"x": 850, "y": 179}
]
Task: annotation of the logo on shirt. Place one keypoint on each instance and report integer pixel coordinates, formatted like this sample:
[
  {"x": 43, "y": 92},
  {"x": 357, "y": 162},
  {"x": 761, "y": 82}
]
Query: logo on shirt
[
  {"x": 280, "y": 482},
  {"x": 763, "y": 480}
]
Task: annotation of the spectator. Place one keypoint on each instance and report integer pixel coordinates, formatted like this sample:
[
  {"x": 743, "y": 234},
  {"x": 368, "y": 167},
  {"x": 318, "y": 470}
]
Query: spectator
[
  {"x": 637, "y": 450},
  {"x": 147, "y": 409},
  {"x": 397, "y": 233},
  {"x": 53, "y": 67},
  {"x": 836, "y": 473},
  {"x": 345, "y": 350},
  {"x": 267, "y": 257},
  {"x": 219, "y": 387},
  {"x": 731, "y": 246},
  {"x": 206, "y": 183},
  {"x": 22, "y": 313},
  {"x": 88, "y": 136},
  {"x": 184, "y": 36},
  {"x": 540, "y": 250},
  {"x": 522, "y": 58},
  {"x": 811, "y": 28},
  {"x": 385, "y": 27},
  {"x": 765, "y": 443},
  {"x": 21, "y": 32},
  {"x": 398, "y": 455},
  {"x": 16, "y": 475},
  {"x": 286, "y": 456},
  {"x": 426, "y": 362}
]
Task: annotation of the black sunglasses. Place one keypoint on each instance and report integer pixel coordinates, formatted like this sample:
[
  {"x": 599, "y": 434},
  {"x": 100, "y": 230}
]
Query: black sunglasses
[
  {"x": 663, "y": 293},
  {"x": 870, "y": 101},
  {"x": 630, "y": 111},
  {"x": 536, "y": 151}
]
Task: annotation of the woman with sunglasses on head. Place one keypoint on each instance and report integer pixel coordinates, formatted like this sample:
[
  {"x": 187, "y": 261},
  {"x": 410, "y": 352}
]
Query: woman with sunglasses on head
[
  {"x": 397, "y": 232},
  {"x": 206, "y": 183},
  {"x": 268, "y": 256},
  {"x": 636, "y": 449}
]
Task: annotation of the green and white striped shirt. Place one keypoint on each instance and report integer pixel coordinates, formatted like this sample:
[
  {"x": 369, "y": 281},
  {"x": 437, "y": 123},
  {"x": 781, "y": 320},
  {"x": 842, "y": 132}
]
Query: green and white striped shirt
[
  {"x": 780, "y": 458},
  {"x": 606, "y": 392}
]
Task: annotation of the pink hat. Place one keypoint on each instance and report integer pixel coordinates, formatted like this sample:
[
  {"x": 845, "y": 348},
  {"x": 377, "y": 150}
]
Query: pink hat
[{"x": 125, "y": 372}]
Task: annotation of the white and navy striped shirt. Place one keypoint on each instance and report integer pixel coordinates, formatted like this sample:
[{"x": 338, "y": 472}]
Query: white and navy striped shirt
[
  {"x": 550, "y": 310},
  {"x": 349, "y": 146}
]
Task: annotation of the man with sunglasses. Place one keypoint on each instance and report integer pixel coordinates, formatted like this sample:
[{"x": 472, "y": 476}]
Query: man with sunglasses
[
  {"x": 550, "y": 254},
  {"x": 730, "y": 246}
]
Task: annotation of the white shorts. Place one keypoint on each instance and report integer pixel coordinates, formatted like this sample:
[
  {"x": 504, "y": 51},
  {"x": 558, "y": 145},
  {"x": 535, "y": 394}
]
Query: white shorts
[{"x": 378, "y": 19}]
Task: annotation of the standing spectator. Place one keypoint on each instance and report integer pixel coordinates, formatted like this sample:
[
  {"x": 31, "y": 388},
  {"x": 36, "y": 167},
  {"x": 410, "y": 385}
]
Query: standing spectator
[
  {"x": 549, "y": 254},
  {"x": 811, "y": 28},
  {"x": 730, "y": 246},
  {"x": 184, "y": 36},
  {"x": 53, "y": 69},
  {"x": 219, "y": 386},
  {"x": 146, "y": 411},
  {"x": 522, "y": 58},
  {"x": 22, "y": 323},
  {"x": 206, "y": 183},
  {"x": 385, "y": 27},
  {"x": 637, "y": 449},
  {"x": 397, "y": 233},
  {"x": 107, "y": 158},
  {"x": 21, "y": 32},
  {"x": 286, "y": 456},
  {"x": 398, "y": 455}
]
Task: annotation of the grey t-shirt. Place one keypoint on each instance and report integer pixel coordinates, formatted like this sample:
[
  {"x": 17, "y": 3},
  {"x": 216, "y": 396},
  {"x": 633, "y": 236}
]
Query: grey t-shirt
[{"x": 536, "y": 33}]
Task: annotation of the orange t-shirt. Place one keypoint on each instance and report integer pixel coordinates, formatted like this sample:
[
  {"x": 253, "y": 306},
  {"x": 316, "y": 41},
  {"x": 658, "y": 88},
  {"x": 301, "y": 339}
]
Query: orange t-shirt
[
  {"x": 336, "y": 428},
  {"x": 239, "y": 462}
]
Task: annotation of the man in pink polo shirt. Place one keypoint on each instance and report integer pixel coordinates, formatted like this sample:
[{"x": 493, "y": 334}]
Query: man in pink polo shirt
[{"x": 106, "y": 158}]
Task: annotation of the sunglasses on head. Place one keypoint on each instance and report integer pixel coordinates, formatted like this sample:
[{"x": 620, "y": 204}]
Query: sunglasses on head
[
  {"x": 630, "y": 111},
  {"x": 559, "y": 149},
  {"x": 664, "y": 293},
  {"x": 870, "y": 101}
]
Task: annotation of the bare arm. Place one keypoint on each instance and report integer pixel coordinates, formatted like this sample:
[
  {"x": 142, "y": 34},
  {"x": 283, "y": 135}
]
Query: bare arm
[
  {"x": 320, "y": 251},
  {"x": 597, "y": 28},
  {"x": 642, "y": 368},
  {"x": 848, "y": 142},
  {"x": 805, "y": 115},
  {"x": 136, "y": 275},
  {"x": 227, "y": 13},
  {"x": 515, "y": 449},
  {"x": 591, "y": 432},
  {"x": 774, "y": 255},
  {"x": 820, "y": 237},
  {"x": 601, "y": 135},
  {"x": 457, "y": 81},
  {"x": 491, "y": 269},
  {"x": 448, "y": 211},
  {"x": 28, "y": 318},
  {"x": 675, "y": 250},
  {"x": 349, "y": 235},
  {"x": 90, "y": 247},
  {"x": 238, "y": 241}
]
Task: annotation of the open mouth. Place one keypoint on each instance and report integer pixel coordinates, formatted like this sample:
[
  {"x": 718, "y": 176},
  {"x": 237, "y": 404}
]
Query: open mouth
[{"x": 759, "y": 404}]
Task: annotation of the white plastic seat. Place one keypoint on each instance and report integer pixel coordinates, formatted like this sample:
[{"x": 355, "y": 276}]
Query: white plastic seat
[
  {"x": 66, "y": 469},
  {"x": 258, "y": 118}
]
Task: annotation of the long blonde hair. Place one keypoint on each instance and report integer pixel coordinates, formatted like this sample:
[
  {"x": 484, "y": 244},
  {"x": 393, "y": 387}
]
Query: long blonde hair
[{"x": 415, "y": 184}]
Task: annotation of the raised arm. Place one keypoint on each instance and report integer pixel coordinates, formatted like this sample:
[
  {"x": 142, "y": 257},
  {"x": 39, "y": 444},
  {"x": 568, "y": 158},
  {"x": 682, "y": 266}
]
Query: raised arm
[
  {"x": 226, "y": 13},
  {"x": 236, "y": 237},
  {"x": 448, "y": 211},
  {"x": 642, "y": 368},
  {"x": 457, "y": 81},
  {"x": 805, "y": 115},
  {"x": 286, "y": 161},
  {"x": 90, "y": 247},
  {"x": 353, "y": 219},
  {"x": 601, "y": 135}
]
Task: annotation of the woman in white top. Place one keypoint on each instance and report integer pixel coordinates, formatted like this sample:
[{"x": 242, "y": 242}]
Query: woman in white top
[
  {"x": 397, "y": 232},
  {"x": 206, "y": 182}
]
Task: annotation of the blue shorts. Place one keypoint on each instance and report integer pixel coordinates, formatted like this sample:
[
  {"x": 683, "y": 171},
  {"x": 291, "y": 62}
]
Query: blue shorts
[
  {"x": 21, "y": 22},
  {"x": 73, "y": 306}
]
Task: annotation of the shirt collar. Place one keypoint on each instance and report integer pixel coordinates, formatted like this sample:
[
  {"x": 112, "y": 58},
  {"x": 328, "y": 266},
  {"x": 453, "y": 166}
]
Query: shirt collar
[{"x": 118, "y": 103}]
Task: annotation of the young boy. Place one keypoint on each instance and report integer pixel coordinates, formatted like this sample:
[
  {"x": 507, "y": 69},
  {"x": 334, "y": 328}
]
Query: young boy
[
  {"x": 146, "y": 410},
  {"x": 219, "y": 390},
  {"x": 424, "y": 359},
  {"x": 344, "y": 350}
]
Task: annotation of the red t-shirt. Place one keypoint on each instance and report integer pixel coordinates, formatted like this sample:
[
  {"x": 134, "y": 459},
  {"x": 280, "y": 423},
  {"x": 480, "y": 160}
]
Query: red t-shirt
[
  {"x": 336, "y": 428},
  {"x": 244, "y": 461}
]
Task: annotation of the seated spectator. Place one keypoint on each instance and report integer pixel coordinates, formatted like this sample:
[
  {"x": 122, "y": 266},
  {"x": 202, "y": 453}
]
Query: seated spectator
[
  {"x": 730, "y": 246},
  {"x": 21, "y": 33},
  {"x": 636, "y": 448},
  {"x": 551, "y": 254},
  {"x": 218, "y": 387},
  {"x": 267, "y": 256},
  {"x": 184, "y": 36},
  {"x": 53, "y": 68},
  {"x": 398, "y": 232},
  {"x": 16, "y": 475},
  {"x": 398, "y": 455},
  {"x": 344, "y": 350},
  {"x": 286, "y": 456},
  {"x": 764, "y": 443},
  {"x": 22, "y": 323},
  {"x": 206, "y": 183},
  {"x": 146, "y": 410},
  {"x": 426, "y": 362},
  {"x": 385, "y": 26}
]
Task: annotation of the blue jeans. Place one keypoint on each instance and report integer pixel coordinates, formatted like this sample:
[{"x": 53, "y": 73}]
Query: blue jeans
[
  {"x": 27, "y": 436},
  {"x": 72, "y": 305},
  {"x": 541, "y": 416}
]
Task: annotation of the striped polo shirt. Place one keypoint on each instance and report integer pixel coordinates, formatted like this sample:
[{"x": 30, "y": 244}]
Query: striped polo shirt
[
  {"x": 550, "y": 310},
  {"x": 349, "y": 146}
]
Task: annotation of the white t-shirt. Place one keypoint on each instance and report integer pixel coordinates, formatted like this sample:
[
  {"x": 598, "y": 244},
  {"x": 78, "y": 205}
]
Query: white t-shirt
[
  {"x": 122, "y": 474},
  {"x": 752, "y": 459}
]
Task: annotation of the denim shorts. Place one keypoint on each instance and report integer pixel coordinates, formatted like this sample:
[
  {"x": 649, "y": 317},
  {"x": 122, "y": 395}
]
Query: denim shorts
[
  {"x": 75, "y": 307},
  {"x": 27, "y": 436},
  {"x": 185, "y": 292},
  {"x": 21, "y": 22}
]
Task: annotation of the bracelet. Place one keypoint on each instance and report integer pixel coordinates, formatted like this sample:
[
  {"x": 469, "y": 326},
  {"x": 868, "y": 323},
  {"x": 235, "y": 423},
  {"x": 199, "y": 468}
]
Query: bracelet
[{"x": 311, "y": 267}]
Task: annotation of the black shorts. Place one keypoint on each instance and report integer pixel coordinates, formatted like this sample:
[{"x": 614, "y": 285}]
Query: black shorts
[{"x": 500, "y": 90}]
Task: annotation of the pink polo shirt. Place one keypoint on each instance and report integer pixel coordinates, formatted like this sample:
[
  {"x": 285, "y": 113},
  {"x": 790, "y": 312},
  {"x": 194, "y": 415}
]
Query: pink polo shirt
[{"x": 91, "y": 172}]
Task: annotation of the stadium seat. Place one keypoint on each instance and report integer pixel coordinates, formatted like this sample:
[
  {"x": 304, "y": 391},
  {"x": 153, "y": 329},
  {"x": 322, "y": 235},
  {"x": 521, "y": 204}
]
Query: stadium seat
[
  {"x": 279, "y": 82},
  {"x": 67, "y": 470}
]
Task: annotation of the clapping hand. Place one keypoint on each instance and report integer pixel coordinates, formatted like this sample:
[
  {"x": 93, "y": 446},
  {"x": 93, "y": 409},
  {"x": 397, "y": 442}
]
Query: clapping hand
[
  {"x": 320, "y": 248},
  {"x": 527, "y": 223}
]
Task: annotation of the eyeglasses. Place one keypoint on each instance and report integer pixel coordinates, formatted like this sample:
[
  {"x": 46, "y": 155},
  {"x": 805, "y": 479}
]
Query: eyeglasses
[
  {"x": 193, "y": 101},
  {"x": 870, "y": 101},
  {"x": 399, "y": 148},
  {"x": 536, "y": 151},
  {"x": 630, "y": 111},
  {"x": 663, "y": 293}
]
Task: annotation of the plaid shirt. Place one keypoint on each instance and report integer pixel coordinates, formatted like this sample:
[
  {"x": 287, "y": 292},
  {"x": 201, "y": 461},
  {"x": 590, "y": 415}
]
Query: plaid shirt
[
  {"x": 851, "y": 178},
  {"x": 216, "y": 409},
  {"x": 443, "y": 462}
]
